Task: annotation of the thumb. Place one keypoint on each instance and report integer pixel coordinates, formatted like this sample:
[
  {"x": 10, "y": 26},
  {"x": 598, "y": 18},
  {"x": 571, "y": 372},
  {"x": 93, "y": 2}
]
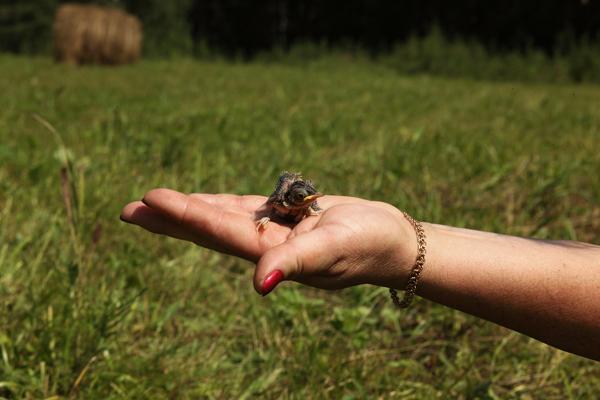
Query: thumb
[{"x": 297, "y": 257}]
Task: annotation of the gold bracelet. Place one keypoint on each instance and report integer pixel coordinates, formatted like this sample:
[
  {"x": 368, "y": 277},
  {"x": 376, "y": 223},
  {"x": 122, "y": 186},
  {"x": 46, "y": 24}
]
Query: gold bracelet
[{"x": 413, "y": 278}]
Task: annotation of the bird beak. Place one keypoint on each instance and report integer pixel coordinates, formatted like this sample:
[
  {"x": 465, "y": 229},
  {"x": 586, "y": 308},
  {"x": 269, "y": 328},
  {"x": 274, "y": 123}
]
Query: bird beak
[{"x": 311, "y": 198}]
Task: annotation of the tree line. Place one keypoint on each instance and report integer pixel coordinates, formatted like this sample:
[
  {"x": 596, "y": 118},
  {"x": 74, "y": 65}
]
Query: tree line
[{"x": 245, "y": 28}]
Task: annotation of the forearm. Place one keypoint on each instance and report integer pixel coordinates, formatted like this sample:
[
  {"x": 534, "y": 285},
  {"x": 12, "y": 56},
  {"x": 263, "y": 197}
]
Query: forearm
[{"x": 549, "y": 290}]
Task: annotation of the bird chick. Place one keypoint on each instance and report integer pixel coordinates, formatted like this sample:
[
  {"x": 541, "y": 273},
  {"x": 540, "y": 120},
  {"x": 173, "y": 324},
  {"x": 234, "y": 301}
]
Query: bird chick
[{"x": 293, "y": 199}]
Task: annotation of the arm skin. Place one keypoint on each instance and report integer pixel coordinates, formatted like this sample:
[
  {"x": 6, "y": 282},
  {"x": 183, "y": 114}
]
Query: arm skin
[{"x": 549, "y": 290}]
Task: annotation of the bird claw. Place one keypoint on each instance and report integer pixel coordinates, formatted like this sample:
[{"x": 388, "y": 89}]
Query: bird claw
[
  {"x": 261, "y": 224},
  {"x": 312, "y": 212}
]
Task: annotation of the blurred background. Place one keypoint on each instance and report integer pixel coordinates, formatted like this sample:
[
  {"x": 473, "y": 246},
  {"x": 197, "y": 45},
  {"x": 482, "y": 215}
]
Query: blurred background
[
  {"x": 555, "y": 40},
  {"x": 473, "y": 114}
]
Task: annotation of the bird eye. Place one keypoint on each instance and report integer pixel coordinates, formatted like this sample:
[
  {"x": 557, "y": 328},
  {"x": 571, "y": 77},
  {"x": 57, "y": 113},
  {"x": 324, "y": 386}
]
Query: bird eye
[{"x": 298, "y": 197}]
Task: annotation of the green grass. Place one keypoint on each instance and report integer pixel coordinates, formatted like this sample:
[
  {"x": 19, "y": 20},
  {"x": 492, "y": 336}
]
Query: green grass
[{"x": 94, "y": 308}]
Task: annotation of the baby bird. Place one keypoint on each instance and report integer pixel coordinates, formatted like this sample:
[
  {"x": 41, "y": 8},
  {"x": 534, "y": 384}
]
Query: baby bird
[{"x": 293, "y": 199}]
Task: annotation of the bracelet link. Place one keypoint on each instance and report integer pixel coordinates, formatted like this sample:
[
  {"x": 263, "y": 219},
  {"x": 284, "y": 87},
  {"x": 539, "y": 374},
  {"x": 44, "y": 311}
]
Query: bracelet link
[{"x": 413, "y": 278}]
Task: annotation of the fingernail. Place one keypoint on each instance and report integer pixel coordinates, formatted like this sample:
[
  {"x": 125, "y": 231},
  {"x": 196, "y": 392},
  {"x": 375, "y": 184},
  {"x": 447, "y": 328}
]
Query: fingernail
[{"x": 271, "y": 281}]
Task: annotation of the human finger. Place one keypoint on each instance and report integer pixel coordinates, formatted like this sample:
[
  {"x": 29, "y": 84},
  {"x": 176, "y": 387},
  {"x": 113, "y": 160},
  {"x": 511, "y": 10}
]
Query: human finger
[
  {"x": 232, "y": 232},
  {"x": 296, "y": 259},
  {"x": 146, "y": 217},
  {"x": 242, "y": 203}
]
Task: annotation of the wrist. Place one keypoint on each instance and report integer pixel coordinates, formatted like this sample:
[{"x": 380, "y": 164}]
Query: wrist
[
  {"x": 394, "y": 269},
  {"x": 415, "y": 272},
  {"x": 408, "y": 248}
]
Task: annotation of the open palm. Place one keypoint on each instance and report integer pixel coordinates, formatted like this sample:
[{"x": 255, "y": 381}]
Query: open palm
[{"x": 353, "y": 241}]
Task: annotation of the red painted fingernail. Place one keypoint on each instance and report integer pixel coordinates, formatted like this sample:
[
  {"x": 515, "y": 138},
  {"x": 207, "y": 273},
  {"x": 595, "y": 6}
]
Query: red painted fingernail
[{"x": 271, "y": 281}]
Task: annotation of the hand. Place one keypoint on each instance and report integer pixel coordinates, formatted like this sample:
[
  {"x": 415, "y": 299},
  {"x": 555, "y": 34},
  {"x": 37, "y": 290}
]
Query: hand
[{"x": 353, "y": 241}]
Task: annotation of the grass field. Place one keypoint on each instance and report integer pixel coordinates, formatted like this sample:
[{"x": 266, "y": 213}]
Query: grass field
[{"x": 94, "y": 308}]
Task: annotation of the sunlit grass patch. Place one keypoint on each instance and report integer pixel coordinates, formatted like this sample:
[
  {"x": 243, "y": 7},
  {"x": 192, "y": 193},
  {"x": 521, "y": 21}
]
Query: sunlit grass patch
[{"x": 95, "y": 308}]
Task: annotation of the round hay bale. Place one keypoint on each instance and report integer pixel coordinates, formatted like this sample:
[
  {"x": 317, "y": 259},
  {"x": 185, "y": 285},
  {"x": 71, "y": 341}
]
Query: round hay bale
[{"x": 89, "y": 34}]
